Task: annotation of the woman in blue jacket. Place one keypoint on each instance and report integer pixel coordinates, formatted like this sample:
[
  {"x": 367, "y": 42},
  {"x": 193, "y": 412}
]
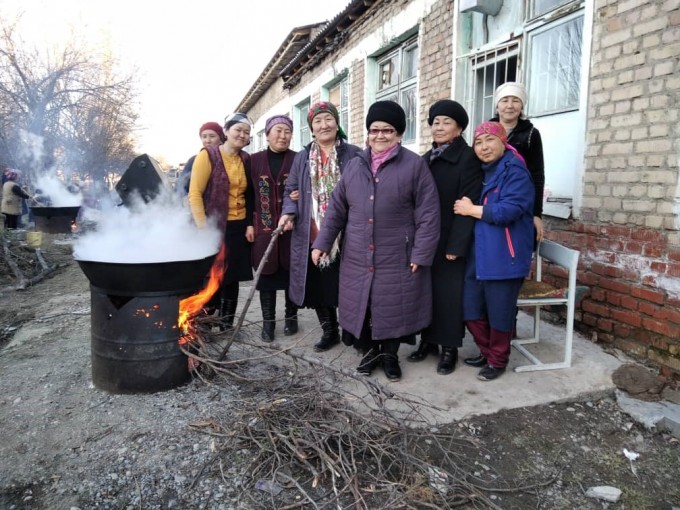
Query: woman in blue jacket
[{"x": 501, "y": 254}]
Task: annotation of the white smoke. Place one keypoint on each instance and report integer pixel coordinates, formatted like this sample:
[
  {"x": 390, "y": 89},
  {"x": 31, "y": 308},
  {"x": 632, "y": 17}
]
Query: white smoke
[
  {"x": 160, "y": 231},
  {"x": 57, "y": 193}
]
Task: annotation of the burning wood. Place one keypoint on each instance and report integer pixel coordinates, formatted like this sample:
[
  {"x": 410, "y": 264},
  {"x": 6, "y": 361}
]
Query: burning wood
[{"x": 191, "y": 306}]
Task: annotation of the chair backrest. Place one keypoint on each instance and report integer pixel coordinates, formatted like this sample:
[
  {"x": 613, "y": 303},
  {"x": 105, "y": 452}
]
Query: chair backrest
[{"x": 557, "y": 254}]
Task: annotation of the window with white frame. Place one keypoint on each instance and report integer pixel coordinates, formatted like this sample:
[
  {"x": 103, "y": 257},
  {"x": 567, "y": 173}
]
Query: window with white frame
[
  {"x": 338, "y": 95},
  {"x": 398, "y": 81},
  {"x": 260, "y": 140},
  {"x": 485, "y": 72},
  {"x": 555, "y": 66},
  {"x": 303, "y": 134}
]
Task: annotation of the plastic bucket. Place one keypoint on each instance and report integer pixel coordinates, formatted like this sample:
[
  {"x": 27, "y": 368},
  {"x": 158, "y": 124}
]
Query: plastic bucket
[{"x": 34, "y": 239}]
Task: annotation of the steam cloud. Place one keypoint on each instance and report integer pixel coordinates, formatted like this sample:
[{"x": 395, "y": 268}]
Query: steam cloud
[
  {"x": 57, "y": 192},
  {"x": 160, "y": 231}
]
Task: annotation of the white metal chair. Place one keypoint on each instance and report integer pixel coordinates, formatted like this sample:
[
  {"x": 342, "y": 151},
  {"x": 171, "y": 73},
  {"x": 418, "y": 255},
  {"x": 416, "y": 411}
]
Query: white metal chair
[{"x": 548, "y": 295}]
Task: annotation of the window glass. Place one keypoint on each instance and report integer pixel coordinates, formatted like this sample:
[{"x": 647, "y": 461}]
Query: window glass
[
  {"x": 338, "y": 95},
  {"x": 555, "y": 67},
  {"x": 397, "y": 81},
  {"x": 305, "y": 135},
  {"x": 543, "y": 6}
]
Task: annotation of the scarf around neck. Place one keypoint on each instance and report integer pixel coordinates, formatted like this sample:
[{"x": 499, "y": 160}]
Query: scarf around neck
[{"x": 324, "y": 174}]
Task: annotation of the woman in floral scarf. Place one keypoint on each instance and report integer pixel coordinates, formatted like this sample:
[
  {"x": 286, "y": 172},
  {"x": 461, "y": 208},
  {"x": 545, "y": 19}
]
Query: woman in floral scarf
[{"x": 315, "y": 172}]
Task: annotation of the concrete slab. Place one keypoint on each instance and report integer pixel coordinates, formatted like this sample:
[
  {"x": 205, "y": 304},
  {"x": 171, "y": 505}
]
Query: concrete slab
[
  {"x": 662, "y": 415},
  {"x": 459, "y": 395}
]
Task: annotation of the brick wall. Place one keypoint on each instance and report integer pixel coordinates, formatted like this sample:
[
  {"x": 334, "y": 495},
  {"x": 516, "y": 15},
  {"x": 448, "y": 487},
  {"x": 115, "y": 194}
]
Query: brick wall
[{"x": 628, "y": 230}]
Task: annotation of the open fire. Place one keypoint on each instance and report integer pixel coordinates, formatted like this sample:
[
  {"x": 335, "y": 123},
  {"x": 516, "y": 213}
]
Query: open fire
[{"x": 191, "y": 306}]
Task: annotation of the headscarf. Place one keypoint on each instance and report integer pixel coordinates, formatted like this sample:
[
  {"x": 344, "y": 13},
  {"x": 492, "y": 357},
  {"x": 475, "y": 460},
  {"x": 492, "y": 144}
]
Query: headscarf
[
  {"x": 277, "y": 119},
  {"x": 235, "y": 118},
  {"x": 212, "y": 126},
  {"x": 511, "y": 88},
  {"x": 496, "y": 129},
  {"x": 11, "y": 175},
  {"x": 325, "y": 107}
]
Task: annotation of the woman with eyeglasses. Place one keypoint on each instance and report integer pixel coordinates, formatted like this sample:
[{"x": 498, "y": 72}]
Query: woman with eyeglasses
[
  {"x": 220, "y": 192},
  {"x": 457, "y": 173},
  {"x": 386, "y": 204},
  {"x": 315, "y": 173}
]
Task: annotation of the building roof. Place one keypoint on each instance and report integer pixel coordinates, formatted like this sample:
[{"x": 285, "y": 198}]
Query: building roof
[
  {"x": 304, "y": 48},
  {"x": 295, "y": 41}
]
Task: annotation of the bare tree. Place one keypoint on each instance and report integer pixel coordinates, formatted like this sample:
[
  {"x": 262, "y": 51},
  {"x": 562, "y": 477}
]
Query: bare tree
[{"x": 63, "y": 110}]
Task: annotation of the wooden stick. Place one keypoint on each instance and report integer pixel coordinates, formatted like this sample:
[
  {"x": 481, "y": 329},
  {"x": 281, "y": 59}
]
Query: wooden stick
[{"x": 275, "y": 235}]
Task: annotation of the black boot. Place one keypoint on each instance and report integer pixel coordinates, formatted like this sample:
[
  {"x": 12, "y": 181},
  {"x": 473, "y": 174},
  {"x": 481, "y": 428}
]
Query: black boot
[
  {"x": 268, "y": 304},
  {"x": 291, "y": 321},
  {"x": 390, "y": 360},
  {"x": 227, "y": 313},
  {"x": 447, "y": 360},
  {"x": 328, "y": 318},
  {"x": 424, "y": 348},
  {"x": 370, "y": 360}
]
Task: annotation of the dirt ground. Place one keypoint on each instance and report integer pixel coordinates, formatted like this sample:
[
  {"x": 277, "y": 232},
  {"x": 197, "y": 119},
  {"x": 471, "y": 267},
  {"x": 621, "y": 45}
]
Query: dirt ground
[{"x": 65, "y": 444}]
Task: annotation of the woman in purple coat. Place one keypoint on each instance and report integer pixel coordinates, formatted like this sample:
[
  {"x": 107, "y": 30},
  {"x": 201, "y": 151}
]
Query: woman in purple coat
[
  {"x": 315, "y": 172},
  {"x": 387, "y": 205}
]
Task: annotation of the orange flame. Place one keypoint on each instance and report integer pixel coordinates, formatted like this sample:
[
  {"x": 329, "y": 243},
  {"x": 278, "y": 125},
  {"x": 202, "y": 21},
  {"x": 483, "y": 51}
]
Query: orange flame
[{"x": 190, "y": 306}]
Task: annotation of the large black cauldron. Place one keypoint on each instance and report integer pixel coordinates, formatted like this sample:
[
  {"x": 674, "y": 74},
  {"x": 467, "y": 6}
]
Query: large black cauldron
[
  {"x": 134, "y": 312},
  {"x": 54, "y": 220}
]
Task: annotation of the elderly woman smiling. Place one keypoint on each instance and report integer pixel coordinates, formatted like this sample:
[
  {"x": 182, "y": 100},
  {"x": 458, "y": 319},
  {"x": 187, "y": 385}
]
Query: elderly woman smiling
[
  {"x": 387, "y": 206},
  {"x": 500, "y": 256}
]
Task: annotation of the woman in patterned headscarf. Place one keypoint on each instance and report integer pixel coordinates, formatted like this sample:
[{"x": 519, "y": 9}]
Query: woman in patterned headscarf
[
  {"x": 315, "y": 172},
  {"x": 500, "y": 256}
]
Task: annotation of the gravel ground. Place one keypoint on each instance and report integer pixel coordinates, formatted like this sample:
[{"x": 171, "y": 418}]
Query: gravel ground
[{"x": 65, "y": 444}]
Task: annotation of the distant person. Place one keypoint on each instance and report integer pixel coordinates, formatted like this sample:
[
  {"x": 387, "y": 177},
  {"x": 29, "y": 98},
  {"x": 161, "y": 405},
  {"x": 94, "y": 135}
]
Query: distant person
[
  {"x": 211, "y": 133},
  {"x": 457, "y": 173},
  {"x": 387, "y": 209},
  {"x": 316, "y": 171},
  {"x": 269, "y": 172},
  {"x": 12, "y": 199},
  {"x": 500, "y": 256},
  {"x": 221, "y": 190},
  {"x": 510, "y": 101}
]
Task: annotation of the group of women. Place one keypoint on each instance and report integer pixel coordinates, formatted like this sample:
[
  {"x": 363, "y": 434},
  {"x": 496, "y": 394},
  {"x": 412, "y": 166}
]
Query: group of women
[{"x": 382, "y": 242}]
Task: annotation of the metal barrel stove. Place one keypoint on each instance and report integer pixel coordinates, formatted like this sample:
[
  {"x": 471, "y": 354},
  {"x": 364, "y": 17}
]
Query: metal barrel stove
[{"x": 134, "y": 313}]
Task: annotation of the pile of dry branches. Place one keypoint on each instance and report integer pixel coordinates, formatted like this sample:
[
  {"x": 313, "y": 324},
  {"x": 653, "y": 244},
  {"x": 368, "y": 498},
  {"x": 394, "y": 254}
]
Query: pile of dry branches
[
  {"x": 21, "y": 266},
  {"x": 322, "y": 436}
]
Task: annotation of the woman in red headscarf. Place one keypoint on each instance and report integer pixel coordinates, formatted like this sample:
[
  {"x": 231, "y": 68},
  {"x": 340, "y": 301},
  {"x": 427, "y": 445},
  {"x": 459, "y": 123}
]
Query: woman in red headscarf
[
  {"x": 500, "y": 257},
  {"x": 211, "y": 133}
]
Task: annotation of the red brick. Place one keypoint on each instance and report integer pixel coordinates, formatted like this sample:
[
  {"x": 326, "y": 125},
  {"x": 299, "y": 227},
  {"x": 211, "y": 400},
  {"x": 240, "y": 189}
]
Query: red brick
[
  {"x": 597, "y": 309},
  {"x": 649, "y": 280},
  {"x": 661, "y": 327},
  {"x": 633, "y": 247},
  {"x": 604, "y": 246},
  {"x": 590, "y": 279},
  {"x": 589, "y": 319},
  {"x": 629, "y": 274},
  {"x": 615, "y": 285},
  {"x": 674, "y": 255},
  {"x": 673, "y": 270},
  {"x": 659, "y": 267},
  {"x": 605, "y": 325},
  {"x": 621, "y": 330},
  {"x": 615, "y": 231},
  {"x": 645, "y": 234},
  {"x": 648, "y": 308},
  {"x": 648, "y": 295},
  {"x": 632, "y": 319},
  {"x": 605, "y": 270},
  {"x": 652, "y": 250},
  {"x": 669, "y": 314},
  {"x": 600, "y": 295},
  {"x": 629, "y": 303}
]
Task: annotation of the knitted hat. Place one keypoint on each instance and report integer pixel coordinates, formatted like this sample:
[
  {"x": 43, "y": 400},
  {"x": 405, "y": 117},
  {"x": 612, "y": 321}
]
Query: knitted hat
[
  {"x": 325, "y": 107},
  {"x": 450, "y": 109},
  {"x": 277, "y": 119},
  {"x": 212, "y": 126},
  {"x": 511, "y": 88},
  {"x": 389, "y": 112}
]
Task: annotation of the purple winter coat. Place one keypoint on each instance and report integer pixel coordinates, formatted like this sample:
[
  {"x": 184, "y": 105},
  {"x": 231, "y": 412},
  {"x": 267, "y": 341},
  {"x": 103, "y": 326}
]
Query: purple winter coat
[
  {"x": 389, "y": 222},
  {"x": 299, "y": 179}
]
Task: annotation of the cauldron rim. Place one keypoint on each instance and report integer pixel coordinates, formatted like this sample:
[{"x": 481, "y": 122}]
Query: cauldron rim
[
  {"x": 140, "y": 278},
  {"x": 42, "y": 210}
]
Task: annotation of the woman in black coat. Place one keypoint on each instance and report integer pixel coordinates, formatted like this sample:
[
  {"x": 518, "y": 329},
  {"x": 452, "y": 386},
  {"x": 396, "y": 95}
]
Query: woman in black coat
[{"x": 457, "y": 173}]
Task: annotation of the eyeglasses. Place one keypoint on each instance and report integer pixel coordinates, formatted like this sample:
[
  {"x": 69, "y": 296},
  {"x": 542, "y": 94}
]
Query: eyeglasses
[{"x": 384, "y": 131}]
